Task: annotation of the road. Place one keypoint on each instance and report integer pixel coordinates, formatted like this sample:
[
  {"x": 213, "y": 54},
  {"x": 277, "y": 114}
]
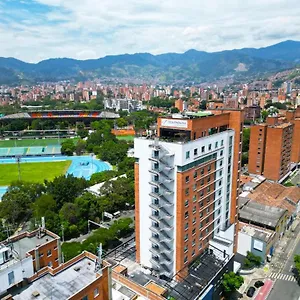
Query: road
[{"x": 285, "y": 286}]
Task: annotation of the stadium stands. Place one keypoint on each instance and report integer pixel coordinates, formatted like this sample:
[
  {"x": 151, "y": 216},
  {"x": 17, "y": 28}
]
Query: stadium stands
[{"x": 30, "y": 151}]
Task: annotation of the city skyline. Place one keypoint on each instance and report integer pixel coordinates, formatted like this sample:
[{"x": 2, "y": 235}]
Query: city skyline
[{"x": 41, "y": 29}]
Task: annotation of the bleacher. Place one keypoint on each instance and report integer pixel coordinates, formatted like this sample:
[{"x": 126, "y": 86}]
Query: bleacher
[{"x": 30, "y": 151}]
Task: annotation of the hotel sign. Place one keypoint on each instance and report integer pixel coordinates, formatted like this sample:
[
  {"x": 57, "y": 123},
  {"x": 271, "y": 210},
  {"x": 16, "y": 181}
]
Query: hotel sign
[{"x": 174, "y": 123}]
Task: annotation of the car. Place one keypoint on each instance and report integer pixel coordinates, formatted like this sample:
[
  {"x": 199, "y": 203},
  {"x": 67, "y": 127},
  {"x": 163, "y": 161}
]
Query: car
[
  {"x": 259, "y": 284},
  {"x": 251, "y": 291}
]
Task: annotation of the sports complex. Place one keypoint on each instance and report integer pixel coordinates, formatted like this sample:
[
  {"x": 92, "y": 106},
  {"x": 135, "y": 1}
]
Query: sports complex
[{"x": 36, "y": 160}]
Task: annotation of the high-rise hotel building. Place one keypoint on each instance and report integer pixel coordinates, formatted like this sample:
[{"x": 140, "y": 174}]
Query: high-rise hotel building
[{"x": 186, "y": 188}]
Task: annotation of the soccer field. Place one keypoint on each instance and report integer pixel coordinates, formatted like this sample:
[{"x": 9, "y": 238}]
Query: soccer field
[
  {"x": 128, "y": 138},
  {"x": 33, "y": 172},
  {"x": 31, "y": 142}
]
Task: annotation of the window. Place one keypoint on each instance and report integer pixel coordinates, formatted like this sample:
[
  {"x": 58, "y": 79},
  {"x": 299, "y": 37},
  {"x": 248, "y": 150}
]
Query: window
[
  {"x": 185, "y": 259},
  {"x": 186, "y": 203},
  {"x": 85, "y": 298},
  {"x": 187, "y": 179},
  {"x": 195, "y": 151},
  {"x": 221, "y": 163},
  {"x": 195, "y": 174},
  {"x": 194, "y": 231},
  {"x": 186, "y": 214},
  {"x": 195, "y": 187},
  {"x": 203, "y": 149},
  {"x": 187, "y": 154},
  {"x": 200, "y": 246},
  {"x": 194, "y": 209},
  {"x": 201, "y": 214},
  {"x": 194, "y": 198},
  {"x": 219, "y": 193},
  {"x": 96, "y": 292},
  {"x": 193, "y": 243},
  {"x": 187, "y": 191},
  {"x": 222, "y": 142},
  {"x": 185, "y": 249},
  {"x": 208, "y": 199},
  {"x": 201, "y": 203},
  {"x": 207, "y": 220},
  {"x": 220, "y": 182},
  {"x": 193, "y": 253},
  {"x": 202, "y": 182},
  {"x": 41, "y": 254},
  {"x": 202, "y": 171},
  {"x": 207, "y": 210},
  {"x": 216, "y": 144},
  {"x": 208, "y": 179},
  {"x": 49, "y": 252},
  {"x": 206, "y": 230},
  {"x": 11, "y": 278},
  {"x": 221, "y": 153},
  {"x": 194, "y": 220},
  {"x": 209, "y": 147},
  {"x": 201, "y": 193},
  {"x": 208, "y": 168},
  {"x": 186, "y": 237},
  {"x": 50, "y": 264},
  {"x": 220, "y": 173},
  {"x": 186, "y": 226},
  {"x": 208, "y": 189},
  {"x": 201, "y": 225}
]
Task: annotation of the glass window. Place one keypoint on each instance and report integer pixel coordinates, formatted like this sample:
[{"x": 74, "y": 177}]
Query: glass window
[
  {"x": 193, "y": 231},
  {"x": 49, "y": 252},
  {"x": 187, "y": 154},
  {"x": 201, "y": 214},
  {"x": 222, "y": 142},
  {"x": 194, "y": 220},
  {"x": 196, "y": 151},
  {"x": 194, "y": 209},
  {"x": 202, "y": 171},
  {"x": 221, "y": 153},
  {"x": 11, "y": 277},
  {"x": 208, "y": 168},
  {"x": 185, "y": 259},
  {"x": 200, "y": 246},
  {"x": 216, "y": 144},
  {"x": 186, "y": 226},
  {"x": 194, "y": 198},
  {"x": 186, "y": 214},
  {"x": 96, "y": 292},
  {"x": 208, "y": 178},
  {"x": 187, "y": 179},
  {"x": 187, "y": 191},
  {"x": 201, "y": 225},
  {"x": 203, "y": 149},
  {"x": 195, "y": 187},
  {"x": 186, "y": 237},
  {"x": 185, "y": 249},
  {"x": 195, "y": 174},
  {"x": 186, "y": 203},
  {"x": 209, "y": 147},
  {"x": 193, "y": 243},
  {"x": 193, "y": 253}
]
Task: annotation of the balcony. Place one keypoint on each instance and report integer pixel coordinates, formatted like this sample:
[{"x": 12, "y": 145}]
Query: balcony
[
  {"x": 164, "y": 201},
  {"x": 155, "y": 251}
]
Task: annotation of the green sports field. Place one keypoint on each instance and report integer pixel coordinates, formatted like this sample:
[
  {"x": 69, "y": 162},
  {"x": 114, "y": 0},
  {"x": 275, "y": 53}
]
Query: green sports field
[
  {"x": 30, "y": 142},
  {"x": 128, "y": 138},
  {"x": 32, "y": 172}
]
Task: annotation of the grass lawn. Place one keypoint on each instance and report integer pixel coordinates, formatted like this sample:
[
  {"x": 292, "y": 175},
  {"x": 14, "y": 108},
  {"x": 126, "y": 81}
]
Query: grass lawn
[
  {"x": 30, "y": 142},
  {"x": 32, "y": 172},
  {"x": 128, "y": 138}
]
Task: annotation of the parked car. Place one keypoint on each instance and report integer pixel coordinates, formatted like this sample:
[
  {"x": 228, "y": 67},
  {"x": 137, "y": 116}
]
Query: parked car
[
  {"x": 251, "y": 291},
  {"x": 259, "y": 284}
]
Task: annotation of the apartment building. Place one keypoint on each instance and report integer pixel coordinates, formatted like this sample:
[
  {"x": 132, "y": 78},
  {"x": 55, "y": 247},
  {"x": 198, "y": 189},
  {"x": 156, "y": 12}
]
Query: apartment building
[
  {"x": 23, "y": 255},
  {"x": 293, "y": 116},
  {"x": 186, "y": 189},
  {"x": 271, "y": 149}
]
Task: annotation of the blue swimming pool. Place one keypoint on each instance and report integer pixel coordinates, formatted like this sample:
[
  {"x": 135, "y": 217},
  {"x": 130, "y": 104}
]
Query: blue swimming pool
[{"x": 81, "y": 166}]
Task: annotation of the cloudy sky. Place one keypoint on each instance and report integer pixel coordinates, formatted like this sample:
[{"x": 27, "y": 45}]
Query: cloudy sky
[{"x": 33, "y": 30}]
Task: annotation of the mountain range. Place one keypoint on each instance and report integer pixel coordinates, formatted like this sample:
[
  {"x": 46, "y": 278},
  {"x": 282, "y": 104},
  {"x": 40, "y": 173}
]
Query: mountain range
[{"x": 191, "y": 66}]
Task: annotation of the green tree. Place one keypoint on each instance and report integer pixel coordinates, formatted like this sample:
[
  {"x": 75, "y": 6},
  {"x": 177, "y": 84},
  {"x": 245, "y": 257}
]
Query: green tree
[
  {"x": 246, "y": 139},
  {"x": 252, "y": 260},
  {"x": 43, "y": 204},
  {"x": 297, "y": 264},
  {"x": 121, "y": 122},
  {"x": 174, "y": 110},
  {"x": 102, "y": 176},
  {"x": 69, "y": 213},
  {"x": 66, "y": 188},
  {"x": 113, "y": 152},
  {"x": 231, "y": 282},
  {"x": 68, "y": 147},
  {"x": 82, "y": 133},
  {"x": 80, "y": 147}
]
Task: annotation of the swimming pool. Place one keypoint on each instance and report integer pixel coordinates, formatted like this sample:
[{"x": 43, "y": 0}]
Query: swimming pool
[{"x": 81, "y": 166}]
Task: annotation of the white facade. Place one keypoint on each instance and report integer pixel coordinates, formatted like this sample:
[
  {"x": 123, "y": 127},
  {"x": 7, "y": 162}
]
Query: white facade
[
  {"x": 14, "y": 272},
  {"x": 158, "y": 207}
]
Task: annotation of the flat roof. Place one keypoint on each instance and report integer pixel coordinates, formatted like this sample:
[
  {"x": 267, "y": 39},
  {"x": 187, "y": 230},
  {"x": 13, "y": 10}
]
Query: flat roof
[
  {"x": 262, "y": 214},
  {"x": 157, "y": 289},
  {"x": 62, "y": 285},
  {"x": 258, "y": 233},
  {"x": 25, "y": 244}
]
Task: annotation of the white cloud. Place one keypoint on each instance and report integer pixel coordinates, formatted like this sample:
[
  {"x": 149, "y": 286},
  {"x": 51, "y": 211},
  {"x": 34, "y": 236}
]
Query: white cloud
[{"x": 93, "y": 28}]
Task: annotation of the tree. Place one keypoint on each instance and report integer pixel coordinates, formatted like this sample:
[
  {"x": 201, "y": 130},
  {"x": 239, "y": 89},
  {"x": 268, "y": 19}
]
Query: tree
[
  {"x": 174, "y": 110},
  {"x": 68, "y": 147},
  {"x": 80, "y": 147},
  {"x": 102, "y": 176},
  {"x": 43, "y": 204},
  {"x": 121, "y": 122},
  {"x": 82, "y": 133},
  {"x": 113, "y": 152},
  {"x": 297, "y": 264},
  {"x": 252, "y": 260},
  {"x": 66, "y": 188},
  {"x": 69, "y": 213},
  {"x": 246, "y": 139},
  {"x": 231, "y": 282}
]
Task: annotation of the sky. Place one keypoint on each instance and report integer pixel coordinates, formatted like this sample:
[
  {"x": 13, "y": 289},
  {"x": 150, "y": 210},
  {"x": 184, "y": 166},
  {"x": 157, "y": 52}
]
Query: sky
[{"x": 34, "y": 30}]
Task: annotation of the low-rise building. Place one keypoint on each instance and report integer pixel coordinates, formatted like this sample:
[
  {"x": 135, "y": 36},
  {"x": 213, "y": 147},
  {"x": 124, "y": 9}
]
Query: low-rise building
[{"x": 23, "y": 255}]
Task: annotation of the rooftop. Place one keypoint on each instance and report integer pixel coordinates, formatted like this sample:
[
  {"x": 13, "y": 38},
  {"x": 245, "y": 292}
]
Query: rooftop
[
  {"x": 261, "y": 214},
  {"x": 256, "y": 232},
  {"x": 62, "y": 285}
]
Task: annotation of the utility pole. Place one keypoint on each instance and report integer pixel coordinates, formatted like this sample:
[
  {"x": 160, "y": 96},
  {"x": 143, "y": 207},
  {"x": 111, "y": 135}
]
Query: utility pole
[{"x": 62, "y": 233}]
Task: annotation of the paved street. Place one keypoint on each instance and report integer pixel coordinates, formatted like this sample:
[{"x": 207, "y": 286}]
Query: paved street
[{"x": 286, "y": 286}]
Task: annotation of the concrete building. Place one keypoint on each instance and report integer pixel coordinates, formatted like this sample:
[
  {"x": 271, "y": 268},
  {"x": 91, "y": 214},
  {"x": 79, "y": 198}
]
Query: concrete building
[
  {"x": 256, "y": 240},
  {"x": 187, "y": 182},
  {"x": 23, "y": 255},
  {"x": 270, "y": 149},
  {"x": 294, "y": 117}
]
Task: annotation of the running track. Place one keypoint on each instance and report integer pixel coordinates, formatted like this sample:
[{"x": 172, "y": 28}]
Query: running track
[{"x": 265, "y": 290}]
